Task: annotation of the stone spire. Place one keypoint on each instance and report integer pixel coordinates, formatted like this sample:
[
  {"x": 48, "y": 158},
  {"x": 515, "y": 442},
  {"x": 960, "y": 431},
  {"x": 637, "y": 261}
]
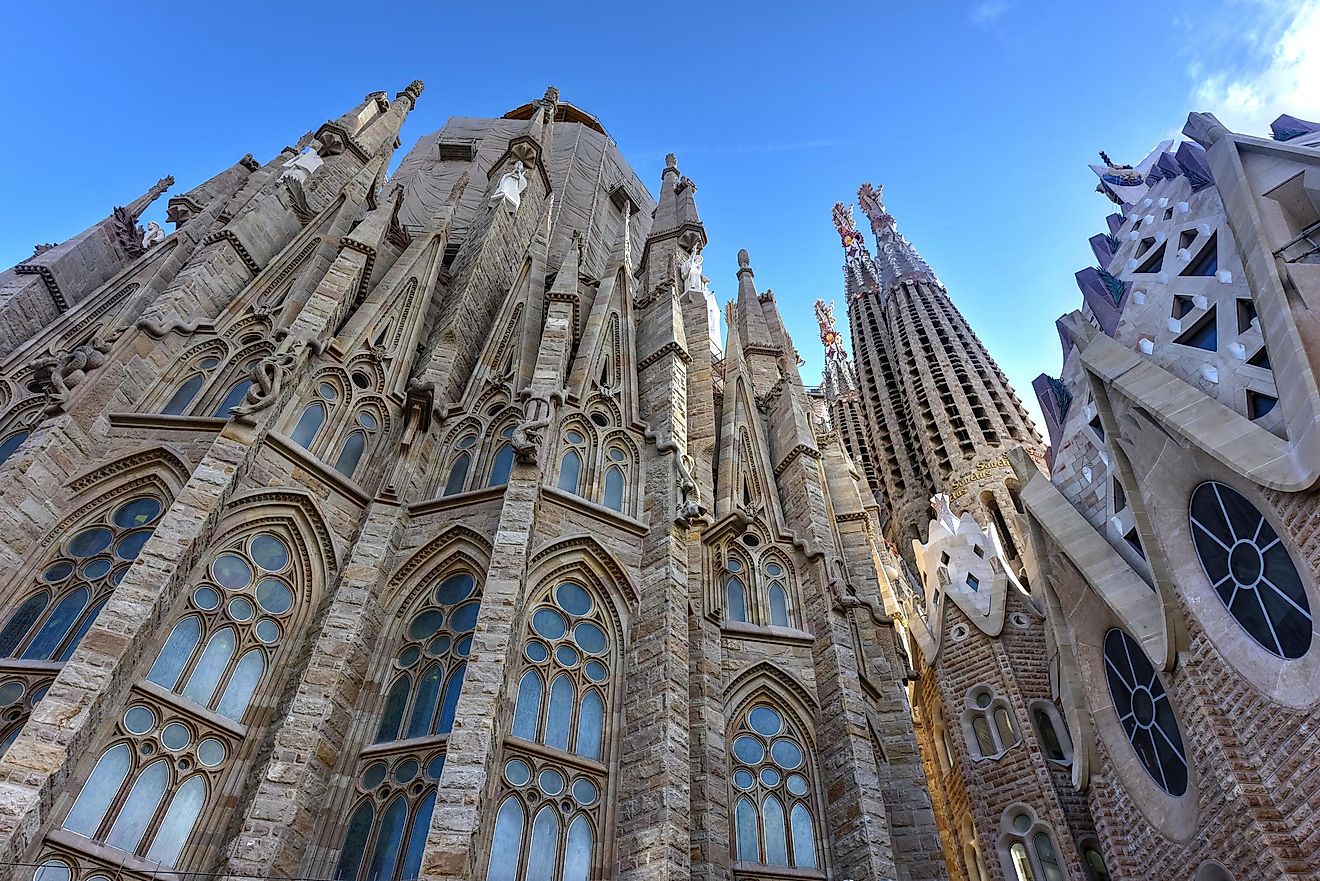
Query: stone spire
[
  {"x": 858, "y": 267},
  {"x": 839, "y": 377},
  {"x": 895, "y": 258},
  {"x": 678, "y": 204}
]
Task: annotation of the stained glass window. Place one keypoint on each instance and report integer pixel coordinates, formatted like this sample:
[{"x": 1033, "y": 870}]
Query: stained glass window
[
  {"x": 1144, "y": 712},
  {"x": 773, "y": 790}
]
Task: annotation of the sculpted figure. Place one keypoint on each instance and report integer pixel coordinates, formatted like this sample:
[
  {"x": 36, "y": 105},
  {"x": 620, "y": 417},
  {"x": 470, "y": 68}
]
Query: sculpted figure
[
  {"x": 692, "y": 280},
  {"x": 690, "y": 508},
  {"x": 508, "y": 193},
  {"x": 154, "y": 234},
  {"x": 526, "y": 439}
]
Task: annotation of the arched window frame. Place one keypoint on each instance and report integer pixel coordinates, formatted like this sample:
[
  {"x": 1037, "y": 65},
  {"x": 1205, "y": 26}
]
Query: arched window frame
[
  {"x": 533, "y": 773},
  {"x": 329, "y": 389},
  {"x": 972, "y": 856},
  {"x": 794, "y": 788},
  {"x": 370, "y": 418},
  {"x": 214, "y": 742},
  {"x": 618, "y": 451},
  {"x": 577, "y": 436},
  {"x": 1047, "y": 711},
  {"x": 985, "y": 709},
  {"x": 401, "y": 766},
  {"x": 205, "y": 361},
  {"x": 760, "y": 566},
  {"x": 498, "y": 440},
  {"x": 1020, "y": 828},
  {"x": 462, "y": 446},
  {"x": 1092, "y": 853},
  {"x": 18, "y": 425}
]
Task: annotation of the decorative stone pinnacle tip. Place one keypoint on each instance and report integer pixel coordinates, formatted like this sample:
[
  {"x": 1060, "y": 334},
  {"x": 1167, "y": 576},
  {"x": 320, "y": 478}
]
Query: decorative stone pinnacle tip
[
  {"x": 416, "y": 87},
  {"x": 551, "y": 95},
  {"x": 671, "y": 161},
  {"x": 744, "y": 261}
]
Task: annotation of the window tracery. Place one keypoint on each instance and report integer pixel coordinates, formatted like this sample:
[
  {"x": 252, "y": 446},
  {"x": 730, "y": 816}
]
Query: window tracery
[
  {"x": 763, "y": 595},
  {"x": 1032, "y": 855},
  {"x": 1250, "y": 569},
  {"x": 555, "y": 761},
  {"x": 773, "y": 790},
  {"x": 1144, "y": 711},
  {"x": 397, "y": 774},
  {"x": 988, "y": 723}
]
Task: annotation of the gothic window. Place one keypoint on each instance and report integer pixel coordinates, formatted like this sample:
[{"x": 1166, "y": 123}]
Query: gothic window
[
  {"x": 10, "y": 444},
  {"x": 1031, "y": 850},
  {"x": 502, "y": 462},
  {"x": 1250, "y": 570},
  {"x": 773, "y": 791},
  {"x": 776, "y": 594},
  {"x": 1051, "y": 733},
  {"x": 77, "y": 580},
  {"x": 350, "y": 454},
  {"x": 396, "y": 776},
  {"x": 988, "y": 723},
  {"x": 186, "y": 391},
  {"x": 220, "y": 651},
  {"x": 1144, "y": 712},
  {"x": 570, "y": 463},
  {"x": 614, "y": 481},
  {"x": 735, "y": 592},
  {"x": 554, "y": 766},
  {"x": 456, "y": 476},
  {"x": 309, "y": 424},
  {"x": 234, "y": 397},
  {"x": 18, "y": 696}
]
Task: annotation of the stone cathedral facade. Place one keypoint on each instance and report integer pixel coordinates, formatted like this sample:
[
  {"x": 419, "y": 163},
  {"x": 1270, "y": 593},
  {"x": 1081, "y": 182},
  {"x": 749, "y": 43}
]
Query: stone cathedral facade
[
  {"x": 422, "y": 526},
  {"x": 1114, "y": 638}
]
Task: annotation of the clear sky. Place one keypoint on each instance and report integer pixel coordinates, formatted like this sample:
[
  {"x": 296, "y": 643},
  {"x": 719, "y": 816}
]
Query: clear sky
[{"x": 978, "y": 116}]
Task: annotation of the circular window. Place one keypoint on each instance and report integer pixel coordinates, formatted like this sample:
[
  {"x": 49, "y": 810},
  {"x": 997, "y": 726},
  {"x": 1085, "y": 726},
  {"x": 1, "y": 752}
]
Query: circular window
[
  {"x": 361, "y": 380},
  {"x": 435, "y": 766},
  {"x": 574, "y": 437},
  {"x": 464, "y": 618},
  {"x": 536, "y": 651},
  {"x": 1250, "y": 570},
  {"x": 175, "y": 736},
  {"x": 797, "y": 784},
  {"x": 769, "y": 776},
  {"x": 274, "y": 596},
  {"x": 765, "y": 721},
  {"x": 748, "y": 750},
  {"x": 268, "y": 631},
  {"x": 137, "y": 513},
  {"x": 596, "y": 671},
  {"x": 10, "y": 692},
  {"x": 211, "y": 752},
  {"x": 96, "y": 568},
  {"x": 517, "y": 772},
  {"x": 1022, "y": 823},
  {"x": 206, "y": 598},
  {"x": 786, "y": 753},
  {"x": 743, "y": 779},
  {"x": 231, "y": 571},
  {"x": 271, "y": 553},
  {"x": 328, "y": 391},
  {"x": 372, "y": 777},
  {"x": 572, "y": 598},
  {"x": 425, "y": 624},
  {"x": 89, "y": 542},
  {"x": 367, "y": 421},
  {"x": 406, "y": 770},
  {"x": 454, "y": 589},
  {"x": 241, "y": 609},
  {"x": 549, "y": 623},
  {"x": 1144, "y": 712},
  {"x": 551, "y": 782},
  {"x": 58, "y": 572},
  {"x": 584, "y": 791},
  {"x": 139, "y": 720},
  {"x": 590, "y": 637}
]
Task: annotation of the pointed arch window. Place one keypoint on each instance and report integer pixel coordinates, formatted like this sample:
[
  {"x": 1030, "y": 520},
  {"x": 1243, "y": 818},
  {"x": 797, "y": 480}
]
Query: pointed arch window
[
  {"x": 309, "y": 424},
  {"x": 233, "y": 398},
  {"x": 774, "y": 791},
  {"x": 614, "y": 488},
  {"x": 396, "y": 776},
  {"x": 735, "y": 592},
  {"x": 502, "y": 462},
  {"x": 776, "y": 594},
  {"x": 459, "y": 465},
  {"x": 356, "y": 443},
  {"x": 570, "y": 463},
  {"x": 165, "y": 760},
  {"x": 1030, "y": 847},
  {"x": 552, "y": 810},
  {"x": 1051, "y": 733},
  {"x": 10, "y": 445},
  {"x": 196, "y": 375}
]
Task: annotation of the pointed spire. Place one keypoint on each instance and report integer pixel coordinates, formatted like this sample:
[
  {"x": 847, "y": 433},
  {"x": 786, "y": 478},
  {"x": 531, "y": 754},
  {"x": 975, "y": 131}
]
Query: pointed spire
[
  {"x": 133, "y": 210},
  {"x": 858, "y": 267},
  {"x": 753, "y": 327},
  {"x": 678, "y": 204},
  {"x": 566, "y": 279},
  {"x": 895, "y": 258},
  {"x": 838, "y": 377}
]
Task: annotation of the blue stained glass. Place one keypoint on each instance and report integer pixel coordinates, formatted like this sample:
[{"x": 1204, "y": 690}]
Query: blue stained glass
[
  {"x": 57, "y": 626},
  {"x": 506, "y": 843},
  {"x": 560, "y": 717},
  {"x": 206, "y": 675},
  {"x": 389, "y": 841},
  {"x": 242, "y": 685},
  {"x": 735, "y": 600},
  {"x": 233, "y": 399},
  {"x": 10, "y": 444},
  {"x": 88, "y": 620},
  {"x": 457, "y": 475},
  {"x": 527, "y": 715},
  {"x": 778, "y": 605},
  {"x": 179, "y": 820},
  {"x": 90, "y": 542},
  {"x": 176, "y": 652},
  {"x": 270, "y": 552},
  {"x": 573, "y": 598},
  {"x": 590, "y": 637},
  {"x": 570, "y": 467},
  {"x": 412, "y": 860},
  {"x": 351, "y": 454},
  {"x": 776, "y": 841},
  {"x": 100, "y": 789},
  {"x": 591, "y": 717},
  {"x": 464, "y": 618},
  {"x": 543, "y": 853},
  {"x": 138, "y": 512},
  {"x": 454, "y": 589},
  {"x": 428, "y": 695},
  {"x": 614, "y": 488},
  {"x": 749, "y": 846},
  {"x": 450, "y": 704},
  {"x": 179, "y": 402},
  {"x": 804, "y": 838},
  {"x": 395, "y": 702},
  {"x": 309, "y": 424},
  {"x": 140, "y": 806},
  {"x": 355, "y": 841},
  {"x": 131, "y": 545},
  {"x": 21, "y": 622},
  {"x": 500, "y": 468},
  {"x": 9, "y": 739},
  {"x": 577, "y": 852}
]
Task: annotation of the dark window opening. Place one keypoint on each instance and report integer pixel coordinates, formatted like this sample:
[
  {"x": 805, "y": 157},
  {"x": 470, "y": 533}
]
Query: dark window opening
[
  {"x": 1206, "y": 263},
  {"x": 1204, "y": 334}
]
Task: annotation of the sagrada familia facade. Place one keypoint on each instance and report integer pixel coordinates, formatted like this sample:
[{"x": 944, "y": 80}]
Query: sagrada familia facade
[{"x": 378, "y": 527}]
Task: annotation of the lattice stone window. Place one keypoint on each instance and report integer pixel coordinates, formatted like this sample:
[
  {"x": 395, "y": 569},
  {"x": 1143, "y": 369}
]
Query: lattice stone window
[
  {"x": 220, "y": 651},
  {"x": 554, "y": 769},
  {"x": 1144, "y": 712},
  {"x": 77, "y": 582},
  {"x": 1250, "y": 570},
  {"x": 760, "y": 594},
  {"x": 397, "y": 774},
  {"x": 773, "y": 791}
]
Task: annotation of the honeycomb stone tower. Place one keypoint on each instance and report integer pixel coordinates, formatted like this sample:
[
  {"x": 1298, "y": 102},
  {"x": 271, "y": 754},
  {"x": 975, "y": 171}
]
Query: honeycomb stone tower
[{"x": 421, "y": 526}]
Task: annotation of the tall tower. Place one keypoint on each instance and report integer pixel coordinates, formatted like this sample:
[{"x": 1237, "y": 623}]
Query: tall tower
[
  {"x": 941, "y": 418},
  {"x": 842, "y": 398}
]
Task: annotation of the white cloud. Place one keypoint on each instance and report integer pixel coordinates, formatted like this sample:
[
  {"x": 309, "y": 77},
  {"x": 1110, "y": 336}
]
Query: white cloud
[
  {"x": 1275, "y": 66},
  {"x": 989, "y": 12}
]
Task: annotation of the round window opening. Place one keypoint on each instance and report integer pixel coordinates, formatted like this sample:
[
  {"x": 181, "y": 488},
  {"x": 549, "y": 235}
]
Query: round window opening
[
  {"x": 1144, "y": 712},
  {"x": 1250, "y": 570}
]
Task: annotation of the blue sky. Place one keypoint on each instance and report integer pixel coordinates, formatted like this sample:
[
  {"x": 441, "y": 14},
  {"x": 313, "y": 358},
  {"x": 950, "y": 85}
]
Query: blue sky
[{"x": 979, "y": 116}]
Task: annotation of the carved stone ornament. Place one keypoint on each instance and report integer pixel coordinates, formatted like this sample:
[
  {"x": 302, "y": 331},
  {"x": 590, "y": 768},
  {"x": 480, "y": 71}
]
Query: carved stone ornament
[
  {"x": 527, "y": 435},
  {"x": 301, "y": 167},
  {"x": 691, "y": 512},
  {"x": 270, "y": 373},
  {"x": 420, "y": 399},
  {"x": 60, "y": 373},
  {"x": 508, "y": 193},
  {"x": 691, "y": 269},
  {"x": 153, "y": 236}
]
